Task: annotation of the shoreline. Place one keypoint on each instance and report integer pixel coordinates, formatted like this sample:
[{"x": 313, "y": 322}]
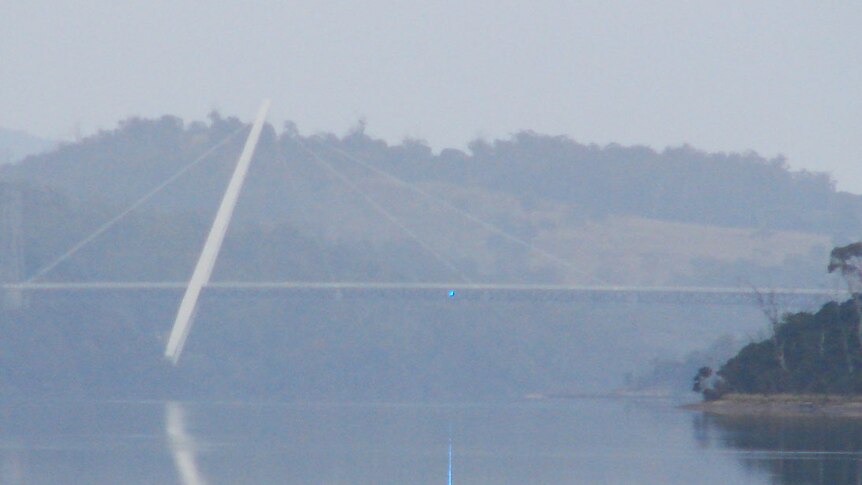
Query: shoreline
[{"x": 782, "y": 405}]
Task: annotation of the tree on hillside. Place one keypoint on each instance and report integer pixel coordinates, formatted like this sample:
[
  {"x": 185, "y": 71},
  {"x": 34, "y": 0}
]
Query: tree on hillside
[
  {"x": 773, "y": 314},
  {"x": 848, "y": 259}
]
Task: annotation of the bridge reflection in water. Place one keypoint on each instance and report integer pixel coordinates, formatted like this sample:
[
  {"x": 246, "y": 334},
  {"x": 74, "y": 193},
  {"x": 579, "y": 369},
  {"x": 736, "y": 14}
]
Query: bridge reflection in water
[{"x": 182, "y": 445}]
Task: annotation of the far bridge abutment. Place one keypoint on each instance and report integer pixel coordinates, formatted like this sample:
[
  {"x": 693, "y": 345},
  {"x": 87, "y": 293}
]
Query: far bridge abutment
[{"x": 11, "y": 245}]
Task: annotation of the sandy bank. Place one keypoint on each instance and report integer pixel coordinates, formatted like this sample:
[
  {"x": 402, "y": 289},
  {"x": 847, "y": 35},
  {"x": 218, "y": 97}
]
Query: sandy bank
[{"x": 789, "y": 405}]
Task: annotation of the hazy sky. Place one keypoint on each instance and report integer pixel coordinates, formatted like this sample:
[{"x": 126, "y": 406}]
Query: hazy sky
[{"x": 773, "y": 76}]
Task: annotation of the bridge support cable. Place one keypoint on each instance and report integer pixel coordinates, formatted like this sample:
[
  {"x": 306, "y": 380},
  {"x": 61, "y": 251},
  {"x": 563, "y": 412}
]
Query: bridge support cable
[
  {"x": 212, "y": 246},
  {"x": 138, "y": 203},
  {"x": 485, "y": 224},
  {"x": 383, "y": 211}
]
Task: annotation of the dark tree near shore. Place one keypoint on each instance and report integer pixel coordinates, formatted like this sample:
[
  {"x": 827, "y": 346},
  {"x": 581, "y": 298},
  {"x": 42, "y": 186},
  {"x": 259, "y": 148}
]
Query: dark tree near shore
[{"x": 703, "y": 374}]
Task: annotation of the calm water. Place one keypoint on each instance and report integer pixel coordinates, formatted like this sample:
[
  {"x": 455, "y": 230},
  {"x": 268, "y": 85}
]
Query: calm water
[{"x": 587, "y": 441}]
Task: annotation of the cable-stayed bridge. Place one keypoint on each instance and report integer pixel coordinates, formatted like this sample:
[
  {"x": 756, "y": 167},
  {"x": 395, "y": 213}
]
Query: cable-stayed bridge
[{"x": 463, "y": 290}]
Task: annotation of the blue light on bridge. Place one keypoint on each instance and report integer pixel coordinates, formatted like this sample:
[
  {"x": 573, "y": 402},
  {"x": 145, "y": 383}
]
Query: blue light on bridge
[{"x": 451, "y": 293}]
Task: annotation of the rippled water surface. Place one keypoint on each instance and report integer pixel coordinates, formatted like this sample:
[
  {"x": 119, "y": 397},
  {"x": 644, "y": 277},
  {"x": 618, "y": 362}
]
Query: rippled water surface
[{"x": 582, "y": 441}]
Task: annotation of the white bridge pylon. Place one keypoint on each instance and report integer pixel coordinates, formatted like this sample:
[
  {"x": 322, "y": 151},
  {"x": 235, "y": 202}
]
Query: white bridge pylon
[{"x": 212, "y": 246}]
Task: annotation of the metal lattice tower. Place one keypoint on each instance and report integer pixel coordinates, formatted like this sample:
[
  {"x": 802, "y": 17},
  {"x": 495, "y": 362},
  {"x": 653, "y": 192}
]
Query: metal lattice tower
[{"x": 11, "y": 244}]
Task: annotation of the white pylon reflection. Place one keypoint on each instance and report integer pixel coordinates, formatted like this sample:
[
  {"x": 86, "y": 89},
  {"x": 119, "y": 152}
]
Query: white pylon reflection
[{"x": 182, "y": 445}]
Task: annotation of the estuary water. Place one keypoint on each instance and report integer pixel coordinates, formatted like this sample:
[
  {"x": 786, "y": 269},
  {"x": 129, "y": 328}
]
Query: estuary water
[{"x": 579, "y": 441}]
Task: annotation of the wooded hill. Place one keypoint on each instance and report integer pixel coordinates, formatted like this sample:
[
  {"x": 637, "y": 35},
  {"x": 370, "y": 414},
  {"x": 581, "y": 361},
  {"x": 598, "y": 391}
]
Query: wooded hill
[
  {"x": 15, "y": 145},
  {"x": 623, "y": 215}
]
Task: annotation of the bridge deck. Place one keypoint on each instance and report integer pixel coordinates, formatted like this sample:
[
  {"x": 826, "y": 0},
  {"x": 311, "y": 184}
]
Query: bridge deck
[{"x": 468, "y": 292}]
